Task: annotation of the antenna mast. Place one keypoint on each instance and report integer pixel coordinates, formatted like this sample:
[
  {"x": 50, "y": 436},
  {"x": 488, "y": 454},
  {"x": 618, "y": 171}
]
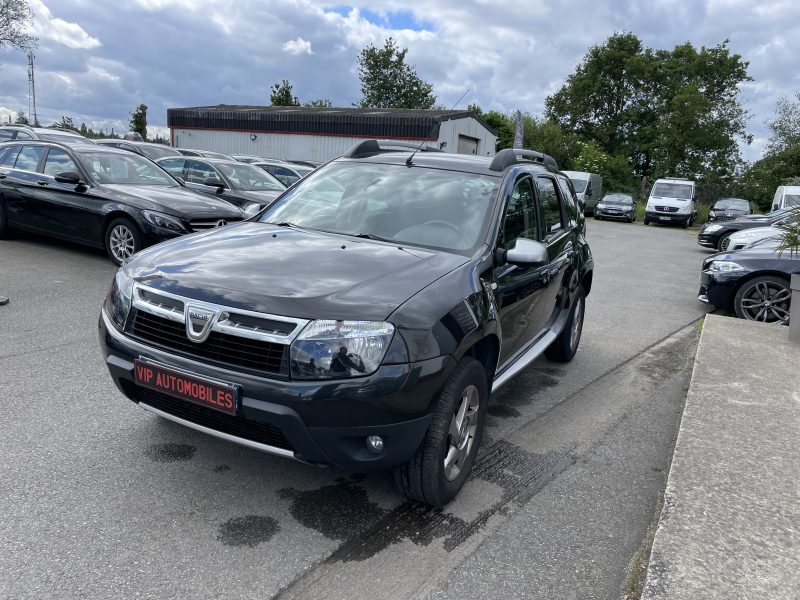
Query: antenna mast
[{"x": 32, "y": 116}]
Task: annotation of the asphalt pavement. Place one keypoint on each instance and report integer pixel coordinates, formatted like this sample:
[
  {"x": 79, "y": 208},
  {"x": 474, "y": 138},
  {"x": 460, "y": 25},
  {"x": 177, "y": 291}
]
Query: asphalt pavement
[{"x": 104, "y": 500}]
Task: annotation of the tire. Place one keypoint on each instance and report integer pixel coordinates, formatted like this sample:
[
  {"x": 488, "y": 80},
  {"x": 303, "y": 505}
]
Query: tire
[
  {"x": 596, "y": 218},
  {"x": 645, "y": 221},
  {"x": 3, "y": 222},
  {"x": 565, "y": 346},
  {"x": 122, "y": 240},
  {"x": 749, "y": 302},
  {"x": 425, "y": 478},
  {"x": 724, "y": 242}
]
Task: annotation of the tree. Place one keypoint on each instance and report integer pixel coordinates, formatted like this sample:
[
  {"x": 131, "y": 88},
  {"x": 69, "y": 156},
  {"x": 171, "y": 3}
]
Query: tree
[
  {"x": 321, "y": 103},
  {"x": 786, "y": 125},
  {"x": 388, "y": 82},
  {"x": 138, "y": 122},
  {"x": 15, "y": 17},
  {"x": 282, "y": 95},
  {"x": 21, "y": 118},
  {"x": 672, "y": 112}
]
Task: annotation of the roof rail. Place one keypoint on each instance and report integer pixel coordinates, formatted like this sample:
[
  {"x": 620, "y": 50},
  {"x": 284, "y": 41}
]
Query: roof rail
[
  {"x": 21, "y": 125},
  {"x": 372, "y": 147},
  {"x": 512, "y": 156}
]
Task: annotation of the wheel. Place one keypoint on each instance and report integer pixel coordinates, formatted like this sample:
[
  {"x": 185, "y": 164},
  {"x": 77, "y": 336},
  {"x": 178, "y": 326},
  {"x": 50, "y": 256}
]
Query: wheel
[
  {"x": 565, "y": 346},
  {"x": 645, "y": 221},
  {"x": 724, "y": 242},
  {"x": 596, "y": 218},
  {"x": 3, "y": 222},
  {"x": 764, "y": 299},
  {"x": 443, "y": 461},
  {"x": 122, "y": 240},
  {"x": 633, "y": 218}
]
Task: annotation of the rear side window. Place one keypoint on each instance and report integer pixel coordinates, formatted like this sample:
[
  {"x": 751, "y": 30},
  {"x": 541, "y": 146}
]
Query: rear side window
[
  {"x": 8, "y": 155},
  {"x": 58, "y": 161},
  {"x": 24, "y": 135},
  {"x": 551, "y": 209},
  {"x": 6, "y": 134},
  {"x": 28, "y": 158}
]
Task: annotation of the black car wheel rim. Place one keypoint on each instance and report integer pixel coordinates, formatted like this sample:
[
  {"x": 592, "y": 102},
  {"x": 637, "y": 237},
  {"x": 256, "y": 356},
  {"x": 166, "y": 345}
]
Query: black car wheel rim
[
  {"x": 122, "y": 243},
  {"x": 461, "y": 435},
  {"x": 766, "y": 301}
]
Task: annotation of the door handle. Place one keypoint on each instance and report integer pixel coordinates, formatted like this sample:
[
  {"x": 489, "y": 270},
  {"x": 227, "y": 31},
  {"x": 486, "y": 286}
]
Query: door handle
[{"x": 41, "y": 183}]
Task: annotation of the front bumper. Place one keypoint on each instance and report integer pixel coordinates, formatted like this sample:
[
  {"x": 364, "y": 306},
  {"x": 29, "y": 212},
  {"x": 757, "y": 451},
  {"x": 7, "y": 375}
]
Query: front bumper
[
  {"x": 708, "y": 240},
  {"x": 319, "y": 422},
  {"x": 612, "y": 214},
  {"x": 718, "y": 288},
  {"x": 672, "y": 218}
]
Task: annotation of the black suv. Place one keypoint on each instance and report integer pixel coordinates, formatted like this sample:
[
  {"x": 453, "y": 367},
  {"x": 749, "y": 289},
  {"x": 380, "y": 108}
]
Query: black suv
[
  {"x": 363, "y": 319},
  {"x": 99, "y": 196}
]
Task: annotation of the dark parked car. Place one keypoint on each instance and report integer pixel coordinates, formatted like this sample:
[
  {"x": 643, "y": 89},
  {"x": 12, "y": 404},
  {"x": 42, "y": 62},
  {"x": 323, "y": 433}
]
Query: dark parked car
[
  {"x": 99, "y": 196},
  {"x": 11, "y": 132},
  {"x": 203, "y": 153},
  {"x": 728, "y": 209},
  {"x": 285, "y": 172},
  {"x": 244, "y": 185},
  {"x": 754, "y": 283},
  {"x": 365, "y": 331},
  {"x": 151, "y": 151},
  {"x": 716, "y": 235},
  {"x": 616, "y": 206}
]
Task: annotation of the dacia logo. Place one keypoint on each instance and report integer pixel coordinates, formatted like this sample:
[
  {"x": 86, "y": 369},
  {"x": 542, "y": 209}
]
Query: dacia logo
[{"x": 199, "y": 322}]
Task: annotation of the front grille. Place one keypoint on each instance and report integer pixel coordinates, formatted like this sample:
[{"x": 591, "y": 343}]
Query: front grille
[
  {"x": 667, "y": 208},
  {"x": 203, "y": 224},
  {"x": 255, "y": 355},
  {"x": 725, "y": 217},
  {"x": 263, "y": 433}
]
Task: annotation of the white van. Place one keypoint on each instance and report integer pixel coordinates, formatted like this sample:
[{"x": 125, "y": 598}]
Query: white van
[
  {"x": 588, "y": 187},
  {"x": 786, "y": 196},
  {"x": 672, "y": 200}
]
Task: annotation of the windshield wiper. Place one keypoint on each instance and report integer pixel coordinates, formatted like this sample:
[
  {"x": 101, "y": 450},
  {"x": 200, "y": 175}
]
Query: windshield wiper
[{"x": 369, "y": 236}]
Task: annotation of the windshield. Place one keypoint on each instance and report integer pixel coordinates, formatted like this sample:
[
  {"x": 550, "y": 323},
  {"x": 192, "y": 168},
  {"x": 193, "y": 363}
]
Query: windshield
[
  {"x": 416, "y": 206},
  {"x": 156, "y": 152},
  {"x": 124, "y": 169},
  {"x": 618, "y": 199},
  {"x": 681, "y": 191},
  {"x": 791, "y": 200},
  {"x": 580, "y": 184},
  {"x": 731, "y": 203},
  {"x": 246, "y": 177}
]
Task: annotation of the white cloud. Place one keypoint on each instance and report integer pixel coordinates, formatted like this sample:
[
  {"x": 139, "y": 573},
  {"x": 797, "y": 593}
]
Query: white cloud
[
  {"x": 47, "y": 27},
  {"x": 298, "y": 46}
]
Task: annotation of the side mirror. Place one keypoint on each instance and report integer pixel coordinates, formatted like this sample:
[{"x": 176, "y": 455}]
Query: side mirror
[
  {"x": 527, "y": 252},
  {"x": 214, "y": 182},
  {"x": 68, "y": 177},
  {"x": 588, "y": 193}
]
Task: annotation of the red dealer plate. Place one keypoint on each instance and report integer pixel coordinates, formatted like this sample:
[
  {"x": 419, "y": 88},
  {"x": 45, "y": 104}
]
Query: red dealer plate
[{"x": 218, "y": 395}]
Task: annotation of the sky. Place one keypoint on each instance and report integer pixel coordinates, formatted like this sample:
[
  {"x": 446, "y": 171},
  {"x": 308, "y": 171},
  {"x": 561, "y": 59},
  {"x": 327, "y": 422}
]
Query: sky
[{"x": 98, "y": 59}]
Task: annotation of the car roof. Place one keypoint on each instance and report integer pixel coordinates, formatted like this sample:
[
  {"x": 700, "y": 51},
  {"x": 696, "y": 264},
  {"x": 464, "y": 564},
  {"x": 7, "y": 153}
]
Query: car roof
[{"x": 211, "y": 160}]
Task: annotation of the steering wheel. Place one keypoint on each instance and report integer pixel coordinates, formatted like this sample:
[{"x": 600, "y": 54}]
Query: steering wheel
[{"x": 445, "y": 224}]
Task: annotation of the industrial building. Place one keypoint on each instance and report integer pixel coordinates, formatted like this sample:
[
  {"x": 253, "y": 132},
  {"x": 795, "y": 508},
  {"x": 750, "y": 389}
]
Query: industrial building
[{"x": 320, "y": 134}]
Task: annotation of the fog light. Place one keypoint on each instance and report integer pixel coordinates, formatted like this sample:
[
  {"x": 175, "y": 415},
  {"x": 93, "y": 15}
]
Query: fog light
[{"x": 375, "y": 444}]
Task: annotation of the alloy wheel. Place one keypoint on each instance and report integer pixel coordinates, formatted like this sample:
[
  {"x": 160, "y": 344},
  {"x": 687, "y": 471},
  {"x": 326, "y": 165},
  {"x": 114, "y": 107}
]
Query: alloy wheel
[
  {"x": 122, "y": 242},
  {"x": 766, "y": 301},
  {"x": 577, "y": 324},
  {"x": 461, "y": 435}
]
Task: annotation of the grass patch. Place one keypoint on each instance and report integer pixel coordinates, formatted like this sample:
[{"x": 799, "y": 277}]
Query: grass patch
[{"x": 640, "y": 206}]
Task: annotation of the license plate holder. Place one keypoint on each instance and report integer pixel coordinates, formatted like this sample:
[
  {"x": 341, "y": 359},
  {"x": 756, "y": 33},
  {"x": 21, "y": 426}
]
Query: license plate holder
[
  {"x": 203, "y": 391},
  {"x": 663, "y": 218}
]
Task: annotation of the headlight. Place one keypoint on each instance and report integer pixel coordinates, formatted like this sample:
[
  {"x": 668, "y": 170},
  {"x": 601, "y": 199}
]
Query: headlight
[
  {"x": 712, "y": 228},
  {"x": 162, "y": 220},
  {"x": 331, "y": 349},
  {"x": 725, "y": 266},
  {"x": 685, "y": 210},
  {"x": 118, "y": 300},
  {"x": 601, "y": 205},
  {"x": 649, "y": 207}
]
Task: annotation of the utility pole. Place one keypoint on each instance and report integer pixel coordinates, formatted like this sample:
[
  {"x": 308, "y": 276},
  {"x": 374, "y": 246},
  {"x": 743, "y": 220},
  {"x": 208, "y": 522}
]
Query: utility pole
[{"x": 32, "y": 116}]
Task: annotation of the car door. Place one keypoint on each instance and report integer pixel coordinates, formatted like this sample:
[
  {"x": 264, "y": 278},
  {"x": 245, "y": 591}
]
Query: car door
[
  {"x": 21, "y": 182},
  {"x": 63, "y": 206},
  {"x": 519, "y": 289},
  {"x": 9, "y": 187},
  {"x": 557, "y": 236}
]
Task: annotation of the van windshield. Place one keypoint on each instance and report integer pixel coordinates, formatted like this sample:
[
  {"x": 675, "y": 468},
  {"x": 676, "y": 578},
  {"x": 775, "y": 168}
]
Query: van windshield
[
  {"x": 682, "y": 191},
  {"x": 580, "y": 184}
]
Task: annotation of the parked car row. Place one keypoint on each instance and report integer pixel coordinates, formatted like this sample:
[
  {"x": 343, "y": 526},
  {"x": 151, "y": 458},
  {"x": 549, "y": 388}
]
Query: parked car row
[{"x": 750, "y": 276}]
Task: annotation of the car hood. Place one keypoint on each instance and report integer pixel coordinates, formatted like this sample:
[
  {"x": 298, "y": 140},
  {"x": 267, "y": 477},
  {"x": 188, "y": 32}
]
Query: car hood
[
  {"x": 755, "y": 232},
  {"x": 292, "y": 272},
  {"x": 176, "y": 201}
]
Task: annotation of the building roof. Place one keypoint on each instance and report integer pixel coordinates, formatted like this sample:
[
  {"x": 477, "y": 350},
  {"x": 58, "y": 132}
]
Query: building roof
[{"x": 356, "y": 122}]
